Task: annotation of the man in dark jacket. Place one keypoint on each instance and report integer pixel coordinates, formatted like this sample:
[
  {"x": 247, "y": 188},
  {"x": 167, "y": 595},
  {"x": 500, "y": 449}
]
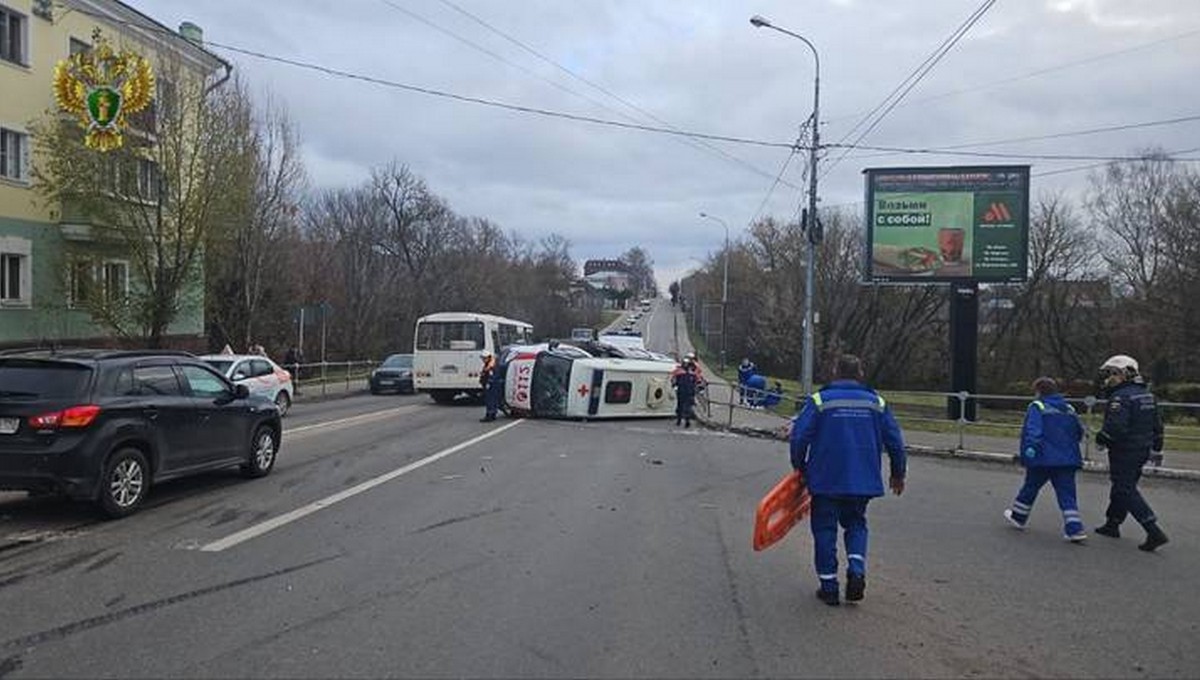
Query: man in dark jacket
[
  {"x": 1050, "y": 453},
  {"x": 686, "y": 380},
  {"x": 836, "y": 444},
  {"x": 1132, "y": 429},
  {"x": 490, "y": 381}
]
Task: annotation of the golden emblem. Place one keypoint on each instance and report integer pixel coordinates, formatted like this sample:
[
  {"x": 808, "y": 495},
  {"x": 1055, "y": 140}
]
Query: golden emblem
[{"x": 102, "y": 86}]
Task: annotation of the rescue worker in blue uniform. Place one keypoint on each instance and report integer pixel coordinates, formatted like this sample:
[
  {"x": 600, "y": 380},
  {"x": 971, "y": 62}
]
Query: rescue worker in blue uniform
[
  {"x": 836, "y": 443},
  {"x": 491, "y": 380},
  {"x": 744, "y": 371},
  {"x": 1050, "y": 452},
  {"x": 1132, "y": 430}
]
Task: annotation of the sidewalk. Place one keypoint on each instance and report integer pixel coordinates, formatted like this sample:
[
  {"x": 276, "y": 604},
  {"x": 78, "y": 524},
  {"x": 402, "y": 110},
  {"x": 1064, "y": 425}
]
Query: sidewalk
[{"x": 724, "y": 413}]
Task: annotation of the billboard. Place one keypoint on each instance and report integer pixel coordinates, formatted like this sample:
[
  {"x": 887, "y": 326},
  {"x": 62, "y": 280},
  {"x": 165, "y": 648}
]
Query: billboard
[{"x": 930, "y": 225}]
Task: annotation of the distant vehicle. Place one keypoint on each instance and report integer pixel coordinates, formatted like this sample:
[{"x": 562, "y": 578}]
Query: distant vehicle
[
  {"x": 582, "y": 334},
  {"x": 553, "y": 385},
  {"x": 623, "y": 340},
  {"x": 446, "y": 357},
  {"x": 395, "y": 374},
  {"x": 261, "y": 375},
  {"x": 106, "y": 426}
]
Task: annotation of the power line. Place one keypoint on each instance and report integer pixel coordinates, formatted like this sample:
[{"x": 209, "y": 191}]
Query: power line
[
  {"x": 695, "y": 143},
  {"x": 906, "y": 86},
  {"x": 1057, "y": 135},
  {"x": 947, "y": 151},
  {"x": 1035, "y": 73},
  {"x": 1090, "y": 166}
]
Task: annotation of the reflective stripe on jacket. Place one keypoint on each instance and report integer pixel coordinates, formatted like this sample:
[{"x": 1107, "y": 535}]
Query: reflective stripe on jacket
[
  {"x": 839, "y": 436},
  {"x": 1051, "y": 434}
]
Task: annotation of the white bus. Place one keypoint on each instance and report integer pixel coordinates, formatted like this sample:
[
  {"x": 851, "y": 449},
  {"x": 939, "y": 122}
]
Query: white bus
[{"x": 447, "y": 346}]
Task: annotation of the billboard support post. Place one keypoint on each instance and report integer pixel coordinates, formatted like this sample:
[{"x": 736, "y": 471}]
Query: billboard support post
[{"x": 964, "y": 349}]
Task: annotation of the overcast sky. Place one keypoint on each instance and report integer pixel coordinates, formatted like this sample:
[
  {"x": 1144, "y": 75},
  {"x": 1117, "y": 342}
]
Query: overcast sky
[{"x": 1027, "y": 68}]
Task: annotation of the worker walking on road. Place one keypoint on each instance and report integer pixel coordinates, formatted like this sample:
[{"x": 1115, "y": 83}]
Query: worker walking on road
[
  {"x": 837, "y": 440},
  {"x": 1050, "y": 453},
  {"x": 1132, "y": 430}
]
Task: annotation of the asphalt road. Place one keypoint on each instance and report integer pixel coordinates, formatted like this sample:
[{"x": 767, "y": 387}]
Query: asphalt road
[{"x": 551, "y": 549}]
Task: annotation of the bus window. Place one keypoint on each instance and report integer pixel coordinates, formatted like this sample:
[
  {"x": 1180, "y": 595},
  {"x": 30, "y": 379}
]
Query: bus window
[
  {"x": 450, "y": 335},
  {"x": 551, "y": 380}
]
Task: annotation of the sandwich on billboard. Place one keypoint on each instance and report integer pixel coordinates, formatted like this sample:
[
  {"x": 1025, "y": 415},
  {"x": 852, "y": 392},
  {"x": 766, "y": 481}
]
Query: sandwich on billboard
[{"x": 947, "y": 224}]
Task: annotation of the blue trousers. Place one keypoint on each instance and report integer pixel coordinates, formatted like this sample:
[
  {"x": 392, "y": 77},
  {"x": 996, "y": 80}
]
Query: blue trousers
[
  {"x": 1124, "y": 499},
  {"x": 1062, "y": 478},
  {"x": 491, "y": 398},
  {"x": 827, "y": 513}
]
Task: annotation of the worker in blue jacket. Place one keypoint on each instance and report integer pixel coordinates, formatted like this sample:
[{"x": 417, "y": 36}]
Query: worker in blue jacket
[
  {"x": 744, "y": 371},
  {"x": 1050, "y": 453},
  {"x": 836, "y": 444}
]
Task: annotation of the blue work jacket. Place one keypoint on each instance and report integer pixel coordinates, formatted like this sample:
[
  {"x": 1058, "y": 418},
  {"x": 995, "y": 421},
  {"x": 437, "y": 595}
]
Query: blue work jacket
[
  {"x": 1051, "y": 434},
  {"x": 838, "y": 438}
]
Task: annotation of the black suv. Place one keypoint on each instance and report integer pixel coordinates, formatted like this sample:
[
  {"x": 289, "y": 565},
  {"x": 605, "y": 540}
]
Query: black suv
[{"x": 105, "y": 425}]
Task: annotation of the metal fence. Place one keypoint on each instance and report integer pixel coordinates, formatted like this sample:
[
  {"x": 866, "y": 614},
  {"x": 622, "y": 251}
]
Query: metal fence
[
  {"x": 994, "y": 428},
  {"x": 330, "y": 377}
]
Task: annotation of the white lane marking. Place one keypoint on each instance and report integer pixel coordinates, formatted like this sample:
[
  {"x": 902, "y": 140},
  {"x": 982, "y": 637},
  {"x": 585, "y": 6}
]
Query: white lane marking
[
  {"x": 351, "y": 420},
  {"x": 263, "y": 527}
]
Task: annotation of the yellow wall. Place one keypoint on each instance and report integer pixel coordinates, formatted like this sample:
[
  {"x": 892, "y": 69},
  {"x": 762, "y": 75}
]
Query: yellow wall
[{"x": 26, "y": 94}]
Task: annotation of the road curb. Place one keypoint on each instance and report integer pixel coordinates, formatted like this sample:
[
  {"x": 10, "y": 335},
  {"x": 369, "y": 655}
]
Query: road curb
[{"x": 1090, "y": 467}]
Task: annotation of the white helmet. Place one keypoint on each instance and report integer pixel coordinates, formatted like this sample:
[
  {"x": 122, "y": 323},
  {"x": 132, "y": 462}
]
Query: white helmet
[
  {"x": 485, "y": 354},
  {"x": 1118, "y": 369}
]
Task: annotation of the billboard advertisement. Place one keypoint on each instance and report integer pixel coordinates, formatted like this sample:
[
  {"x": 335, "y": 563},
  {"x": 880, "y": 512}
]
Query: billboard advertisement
[{"x": 946, "y": 224}]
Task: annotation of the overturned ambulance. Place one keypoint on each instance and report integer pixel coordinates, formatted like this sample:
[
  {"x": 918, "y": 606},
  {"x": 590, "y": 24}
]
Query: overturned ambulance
[{"x": 554, "y": 384}]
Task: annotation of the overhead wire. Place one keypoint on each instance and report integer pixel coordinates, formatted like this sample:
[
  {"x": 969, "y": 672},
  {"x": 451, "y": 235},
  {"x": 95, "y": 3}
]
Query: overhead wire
[
  {"x": 600, "y": 88},
  {"x": 897, "y": 95},
  {"x": 1033, "y": 74}
]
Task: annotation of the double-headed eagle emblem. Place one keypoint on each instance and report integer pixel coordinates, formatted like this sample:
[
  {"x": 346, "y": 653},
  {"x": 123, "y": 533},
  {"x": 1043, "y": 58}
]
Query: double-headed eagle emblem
[{"x": 101, "y": 87}]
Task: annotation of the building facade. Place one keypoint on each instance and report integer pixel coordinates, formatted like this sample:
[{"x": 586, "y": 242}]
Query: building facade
[{"x": 48, "y": 255}]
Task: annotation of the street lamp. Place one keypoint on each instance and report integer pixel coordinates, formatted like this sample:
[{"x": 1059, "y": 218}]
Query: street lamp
[
  {"x": 813, "y": 231},
  {"x": 724, "y": 283}
]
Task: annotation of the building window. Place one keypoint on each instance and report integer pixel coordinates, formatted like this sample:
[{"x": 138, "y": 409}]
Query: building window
[
  {"x": 14, "y": 277},
  {"x": 81, "y": 281},
  {"x": 14, "y": 29},
  {"x": 79, "y": 47},
  {"x": 115, "y": 277},
  {"x": 14, "y": 155},
  {"x": 148, "y": 180}
]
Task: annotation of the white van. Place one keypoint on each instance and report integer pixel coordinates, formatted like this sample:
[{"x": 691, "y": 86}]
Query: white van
[
  {"x": 447, "y": 347},
  {"x": 550, "y": 384}
]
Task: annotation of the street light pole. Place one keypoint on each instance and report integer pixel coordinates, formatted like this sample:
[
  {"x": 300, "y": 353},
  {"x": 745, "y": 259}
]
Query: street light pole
[
  {"x": 724, "y": 284},
  {"x": 813, "y": 231}
]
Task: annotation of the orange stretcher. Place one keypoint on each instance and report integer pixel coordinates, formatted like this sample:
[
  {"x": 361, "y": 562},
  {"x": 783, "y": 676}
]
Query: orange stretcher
[{"x": 784, "y": 505}]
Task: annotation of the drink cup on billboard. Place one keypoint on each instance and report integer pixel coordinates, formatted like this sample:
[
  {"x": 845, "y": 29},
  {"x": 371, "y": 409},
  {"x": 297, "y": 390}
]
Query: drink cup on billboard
[{"x": 950, "y": 242}]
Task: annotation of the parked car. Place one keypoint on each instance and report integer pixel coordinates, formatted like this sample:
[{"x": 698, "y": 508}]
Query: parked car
[
  {"x": 395, "y": 374},
  {"x": 106, "y": 426},
  {"x": 259, "y": 374}
]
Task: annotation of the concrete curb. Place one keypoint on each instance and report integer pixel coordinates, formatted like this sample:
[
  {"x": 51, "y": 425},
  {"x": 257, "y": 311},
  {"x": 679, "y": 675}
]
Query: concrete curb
[{"x": 1090, "y": 467}]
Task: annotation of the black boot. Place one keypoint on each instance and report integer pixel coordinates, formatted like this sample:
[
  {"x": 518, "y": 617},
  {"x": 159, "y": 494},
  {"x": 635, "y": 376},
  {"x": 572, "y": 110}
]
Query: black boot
[
  {"x": 1154, "y": 538},
  {"x": 1109, "y": 529},
  {"x": 855, "y": 586},
  {"x": 829, "y": 597}
]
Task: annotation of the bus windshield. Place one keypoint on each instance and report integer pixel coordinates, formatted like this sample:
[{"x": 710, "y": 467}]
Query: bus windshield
[{"x": 450, "y": 335}]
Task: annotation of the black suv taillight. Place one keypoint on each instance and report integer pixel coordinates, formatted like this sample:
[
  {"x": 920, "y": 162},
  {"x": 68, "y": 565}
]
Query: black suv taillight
[{"x": 68, "y": 418}]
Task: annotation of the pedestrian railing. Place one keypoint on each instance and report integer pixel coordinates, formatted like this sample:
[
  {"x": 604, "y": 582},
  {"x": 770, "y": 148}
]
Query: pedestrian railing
[
  {"x": 978, "y": 421},
  {"x": 324, "y": 377}
]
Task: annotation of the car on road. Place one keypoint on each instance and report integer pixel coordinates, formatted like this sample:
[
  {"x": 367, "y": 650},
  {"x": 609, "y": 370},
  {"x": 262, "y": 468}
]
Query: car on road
[
  {"x": 106, "y": 426},
  {"x": 258, "y": 373},
  {"x": 395, "y": 374}
]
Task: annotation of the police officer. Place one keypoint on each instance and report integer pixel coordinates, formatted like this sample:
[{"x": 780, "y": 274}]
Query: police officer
[
  {"x": 836, "y": 443},
  {"x": 1132, "y": 429},
  {"x": 489, "y": 380},
  {"x": 1050, "y": 452}
]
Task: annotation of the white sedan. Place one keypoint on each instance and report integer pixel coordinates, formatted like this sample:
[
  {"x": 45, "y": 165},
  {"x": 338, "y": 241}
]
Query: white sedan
[{"x": 259, "y": 374}]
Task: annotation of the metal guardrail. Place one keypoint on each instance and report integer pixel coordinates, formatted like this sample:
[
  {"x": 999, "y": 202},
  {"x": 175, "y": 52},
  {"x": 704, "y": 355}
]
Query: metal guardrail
[
  {"x": 327, "y": 376},
  {"x": 996, "y": 415}
]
